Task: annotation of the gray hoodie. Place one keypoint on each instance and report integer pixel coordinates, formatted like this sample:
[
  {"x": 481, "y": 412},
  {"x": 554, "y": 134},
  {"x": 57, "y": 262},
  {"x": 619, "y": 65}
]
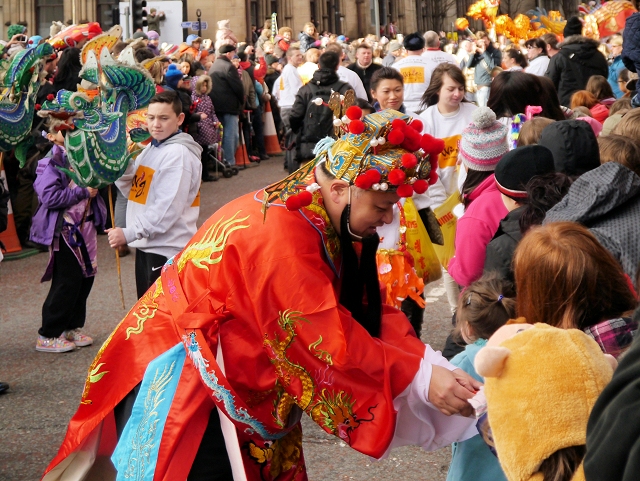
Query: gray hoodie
[
  {"x": 163, "y": 185},
  {"x": 607, "y": 201}
]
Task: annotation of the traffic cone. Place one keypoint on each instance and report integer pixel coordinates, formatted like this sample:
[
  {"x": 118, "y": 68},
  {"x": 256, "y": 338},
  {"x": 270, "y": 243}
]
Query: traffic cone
[
  {"x": 242, "y": 156},
  {"x": 271, "y": 142},
  {"x": 9, "y": 237}
]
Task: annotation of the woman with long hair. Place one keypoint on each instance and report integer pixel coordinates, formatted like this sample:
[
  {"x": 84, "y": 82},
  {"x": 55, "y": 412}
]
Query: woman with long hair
[
  {"x": 512, "y": 92},
  {"x": 567, "y": 279},
  {"x": 445, "y": 114}
]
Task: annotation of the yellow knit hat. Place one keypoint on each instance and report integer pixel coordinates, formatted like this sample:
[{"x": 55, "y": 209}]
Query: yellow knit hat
[{"x": 541, "y": 383}]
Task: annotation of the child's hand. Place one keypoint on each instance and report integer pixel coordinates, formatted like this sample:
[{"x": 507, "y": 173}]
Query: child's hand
[
  {"x": 203, "y": 116},
  {"x": 92, "y": 192},
  {"x": 116, "y": 237}
]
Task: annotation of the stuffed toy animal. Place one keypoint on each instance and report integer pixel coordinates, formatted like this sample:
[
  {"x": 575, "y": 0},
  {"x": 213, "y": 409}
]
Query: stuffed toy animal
[
  {"x": 541, "y": 383},
  {"x": 224, "y": 35}
]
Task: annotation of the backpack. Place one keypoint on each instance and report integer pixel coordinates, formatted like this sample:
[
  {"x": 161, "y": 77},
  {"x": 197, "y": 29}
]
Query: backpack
[{"x": 318, "y": 119}]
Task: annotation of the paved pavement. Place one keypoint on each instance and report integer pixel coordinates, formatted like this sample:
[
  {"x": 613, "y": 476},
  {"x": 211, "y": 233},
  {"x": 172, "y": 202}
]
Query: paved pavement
[{"x": 45, "y": 388}]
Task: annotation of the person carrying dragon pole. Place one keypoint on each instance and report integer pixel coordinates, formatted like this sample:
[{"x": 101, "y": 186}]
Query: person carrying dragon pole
[{"x": 208, "y": 375}]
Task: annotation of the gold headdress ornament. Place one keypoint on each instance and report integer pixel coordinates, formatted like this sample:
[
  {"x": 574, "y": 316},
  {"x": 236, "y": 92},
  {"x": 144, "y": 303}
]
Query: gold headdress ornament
[{"x": 383, "y": 152}]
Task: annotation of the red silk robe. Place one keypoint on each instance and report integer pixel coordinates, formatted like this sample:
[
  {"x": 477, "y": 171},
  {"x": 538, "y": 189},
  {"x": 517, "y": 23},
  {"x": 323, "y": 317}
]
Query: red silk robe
[{"x": 260, "y": 297}]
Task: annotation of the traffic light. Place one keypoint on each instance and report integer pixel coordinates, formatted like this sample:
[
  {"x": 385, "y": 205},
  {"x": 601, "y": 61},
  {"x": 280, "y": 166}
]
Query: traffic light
[{"x": 139, "y": 14}]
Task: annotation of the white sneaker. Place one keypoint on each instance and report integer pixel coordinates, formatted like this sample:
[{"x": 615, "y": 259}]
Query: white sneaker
[
  {"x": 54, "y": 344},
  {"x": 78, "y": 338}
]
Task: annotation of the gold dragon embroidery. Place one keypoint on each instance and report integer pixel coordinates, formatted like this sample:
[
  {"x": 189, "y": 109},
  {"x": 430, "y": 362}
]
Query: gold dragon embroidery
[
  {"x": 321, "y": 354},
  {"x": 146, "y": 309},
  {"x": 208, "y": 250},
  {"x": 287, "y": 370},
  {"x": 334, "y": 412}
]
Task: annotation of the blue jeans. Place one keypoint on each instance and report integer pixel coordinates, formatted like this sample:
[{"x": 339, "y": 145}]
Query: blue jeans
[
  {"x": 482, "y": 95},
  {"x": 229, "y": 137}
]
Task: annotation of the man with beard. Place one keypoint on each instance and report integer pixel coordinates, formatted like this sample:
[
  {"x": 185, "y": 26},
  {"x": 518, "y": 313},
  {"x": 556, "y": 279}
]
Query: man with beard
[{"x": 263, "y": 316}]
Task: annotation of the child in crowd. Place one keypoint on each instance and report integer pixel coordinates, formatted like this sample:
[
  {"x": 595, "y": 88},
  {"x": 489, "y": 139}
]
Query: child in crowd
[
  {"x": 66, "y": 221},
  {"x": 207, "y": 132},
  {"x": 532, "y": 130},
  {"x": 484, "y": 307},
  {"x": 162, "y": 185}
]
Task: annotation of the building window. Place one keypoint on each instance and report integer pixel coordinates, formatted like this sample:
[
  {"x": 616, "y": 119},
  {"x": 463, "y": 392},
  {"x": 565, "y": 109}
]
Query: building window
[{"x": 48, "y": 11}]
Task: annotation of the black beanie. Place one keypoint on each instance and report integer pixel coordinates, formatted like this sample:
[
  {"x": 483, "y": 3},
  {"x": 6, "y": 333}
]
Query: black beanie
[
  {"x": 573, "y": 144},
  {"x": 516, "y": 168},
  {"x": 572, "y": 27},
  {"x": 413, "y": 42}
]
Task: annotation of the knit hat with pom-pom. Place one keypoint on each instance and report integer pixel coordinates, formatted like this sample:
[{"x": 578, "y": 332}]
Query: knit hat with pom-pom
[{"x": 484, "y": 141}]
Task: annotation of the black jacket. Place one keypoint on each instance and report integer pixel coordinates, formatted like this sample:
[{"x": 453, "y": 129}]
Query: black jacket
[
  {"x": 503, "y": 245},
  {"x": 606, "y": 200},
  {"x": 324, "y": 78},
  {"x": 227, "y": 93},
  {"x": 570, "y": 69},
  {"x": 365, "y": 75}
]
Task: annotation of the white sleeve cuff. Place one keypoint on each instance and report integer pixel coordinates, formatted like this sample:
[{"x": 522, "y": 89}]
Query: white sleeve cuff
[{"x": 420, "y": 423}]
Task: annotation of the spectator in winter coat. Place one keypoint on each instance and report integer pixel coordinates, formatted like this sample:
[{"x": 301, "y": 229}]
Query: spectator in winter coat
[
  {"x": 615, "y": 47},
  {"x": 308, "y": 37},
  {"x": 364, "y": 67},
  {"x": 227, "y": 95},
  {"x": 394, "y": 51},
  {"x": 309, "y": 130},
  {"x": 512, "y": 174},
  {"x": 153, "y": 20},
  {"x": 579, "y": 59},
  {"x": 482, "y": 145},
  {"x": 607, "y": 201},
  {"x": 574, "y": 146},
  {"x": 207, "y": 132},
  {"x": 282, "y": 42}
]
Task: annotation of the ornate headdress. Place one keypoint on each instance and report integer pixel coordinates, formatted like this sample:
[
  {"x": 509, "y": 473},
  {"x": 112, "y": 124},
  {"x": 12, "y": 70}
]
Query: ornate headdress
[{"x": 383, "y": 152}]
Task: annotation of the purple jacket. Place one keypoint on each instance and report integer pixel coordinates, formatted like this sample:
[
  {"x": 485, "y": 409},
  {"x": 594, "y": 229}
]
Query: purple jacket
[{"x": 55, "y": 197}]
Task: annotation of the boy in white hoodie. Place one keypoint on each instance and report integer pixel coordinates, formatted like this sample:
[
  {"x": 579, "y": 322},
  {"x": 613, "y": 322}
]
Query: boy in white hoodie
[{"x": 162, "y": 186}]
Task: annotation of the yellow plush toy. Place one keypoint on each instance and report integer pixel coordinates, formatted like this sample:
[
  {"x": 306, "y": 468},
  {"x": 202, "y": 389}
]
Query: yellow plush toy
[{"x": 541, "y": 383}]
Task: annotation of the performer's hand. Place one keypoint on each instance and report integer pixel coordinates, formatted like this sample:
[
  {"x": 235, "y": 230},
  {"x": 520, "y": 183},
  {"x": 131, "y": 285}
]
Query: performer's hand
[
  {"x": 450, "y": 390},
  {"x": 92, "y": 192},
  {"x": 203, "y": 116},
  {"x": 116, "y": 237}
]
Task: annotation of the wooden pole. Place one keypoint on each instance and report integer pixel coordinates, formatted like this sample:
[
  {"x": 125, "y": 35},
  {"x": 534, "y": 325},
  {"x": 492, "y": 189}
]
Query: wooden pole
[{"x": 113, "y": 225}]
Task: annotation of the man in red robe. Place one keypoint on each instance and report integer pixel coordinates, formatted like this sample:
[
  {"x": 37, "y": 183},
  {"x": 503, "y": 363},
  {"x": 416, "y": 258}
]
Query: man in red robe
[{"x": 264, "y": 316}]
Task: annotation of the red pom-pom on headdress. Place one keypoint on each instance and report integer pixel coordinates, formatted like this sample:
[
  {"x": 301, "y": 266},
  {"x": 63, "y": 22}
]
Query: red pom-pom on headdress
[
  {"x": 50, "y": 97},
  {"x": 405, "y": 190},
  {"x": 438, "y": 146},
  {"x": 305, "y": 198},
  {"x": 38, "y": 106},
  {"x": 420, "y": 186},
  {"x": 354, "y": 113},
  {"x": 395, "y": 137},
  {"x": 433, "y": 177},
  {"x": 374, "y": 175},
  {"x": 416, "y": 125},
  {"x": 293, "y": 203},
  {"x": 408, "y": 161},
  {"x": 398, "y": 124},
  {"x": 363, "y": 181},
  {"x": 356, "y": 127},
  {"x": 397, "y": 176}
]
